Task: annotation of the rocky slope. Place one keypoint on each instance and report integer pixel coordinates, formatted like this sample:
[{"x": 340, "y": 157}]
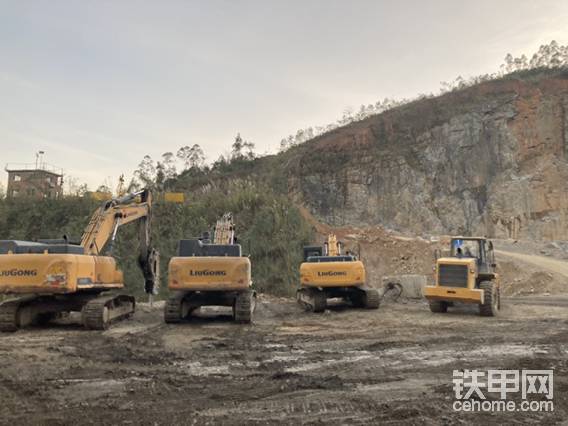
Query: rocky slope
[{"x": 490, "y": 159}]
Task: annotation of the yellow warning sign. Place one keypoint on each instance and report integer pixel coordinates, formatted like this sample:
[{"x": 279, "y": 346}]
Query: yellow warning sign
[{"x": 174, "y": 197}]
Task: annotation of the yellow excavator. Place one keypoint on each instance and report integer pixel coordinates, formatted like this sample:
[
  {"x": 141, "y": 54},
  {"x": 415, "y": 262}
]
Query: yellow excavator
[
  {"x": 210, "y": 273},
  {"x": 327, "y": 273},
  {"x": 53, "y": 277}
]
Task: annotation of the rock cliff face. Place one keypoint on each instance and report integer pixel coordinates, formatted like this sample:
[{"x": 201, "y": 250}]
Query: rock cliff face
[{"x": 491, "y": 159}]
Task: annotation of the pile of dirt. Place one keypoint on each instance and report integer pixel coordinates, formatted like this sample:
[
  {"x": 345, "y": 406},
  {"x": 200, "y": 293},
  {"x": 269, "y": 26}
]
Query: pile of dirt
[{"x": 530, "y": 274}]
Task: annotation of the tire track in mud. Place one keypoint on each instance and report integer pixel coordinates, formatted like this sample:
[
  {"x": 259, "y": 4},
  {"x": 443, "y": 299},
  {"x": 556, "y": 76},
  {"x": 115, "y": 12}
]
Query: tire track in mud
[{"x": 345, "y": 366}]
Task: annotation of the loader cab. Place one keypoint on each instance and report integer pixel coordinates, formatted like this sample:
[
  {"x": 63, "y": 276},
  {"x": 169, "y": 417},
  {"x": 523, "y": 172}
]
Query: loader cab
[{"x": 477, "y": 248}]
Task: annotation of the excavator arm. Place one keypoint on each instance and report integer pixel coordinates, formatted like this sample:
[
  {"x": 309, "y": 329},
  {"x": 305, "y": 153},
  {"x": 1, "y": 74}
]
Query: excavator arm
[
  {"x": 224, "y": 230},
  {"x": 333, "y": 247},
  {"x": 101, "y": 231}
]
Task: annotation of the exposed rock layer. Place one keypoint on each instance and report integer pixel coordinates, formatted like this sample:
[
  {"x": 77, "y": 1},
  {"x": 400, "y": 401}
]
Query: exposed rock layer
[{"x": 491, "y": 159}]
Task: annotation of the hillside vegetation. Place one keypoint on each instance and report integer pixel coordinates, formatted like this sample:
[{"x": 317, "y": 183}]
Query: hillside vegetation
[{"x": 270, "y": 229}]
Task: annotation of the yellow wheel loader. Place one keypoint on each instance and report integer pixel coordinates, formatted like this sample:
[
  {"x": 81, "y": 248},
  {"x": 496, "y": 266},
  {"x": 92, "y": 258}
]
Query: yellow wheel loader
[
  {"x": 466, "y": 275},
  {"x": 52, "y": 277},
  {"x": 326, "y": 273},
  {"x": 210, "y": 273}
]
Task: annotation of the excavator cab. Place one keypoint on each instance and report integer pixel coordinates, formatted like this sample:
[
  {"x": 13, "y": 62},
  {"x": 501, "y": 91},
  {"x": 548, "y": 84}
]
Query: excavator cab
[
  {"x": 328, "y": 273},
  {"x": 467, "y": 275},
  {"x": 312, "y": 251}
]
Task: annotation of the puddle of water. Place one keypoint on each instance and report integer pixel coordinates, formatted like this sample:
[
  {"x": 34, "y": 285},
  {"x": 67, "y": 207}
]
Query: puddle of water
[
  {"x": 294, "y": 329},
  {"x": 394, "y": 358},
  {"x": 248, "y": 364},
  {"x": 198, "y": 369},
  {"x": 435, "y": 357},
  {"x": 275, "y": 346},
  {"x": 284, "y": 358},
  {"x": 326, "y": 363},
  {"x": 88, "y": 389},
  {"x": 400, "y": 358}
]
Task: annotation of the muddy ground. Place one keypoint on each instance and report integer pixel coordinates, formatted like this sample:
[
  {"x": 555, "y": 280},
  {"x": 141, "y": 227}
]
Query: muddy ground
[{"x": 345, "y": 366}]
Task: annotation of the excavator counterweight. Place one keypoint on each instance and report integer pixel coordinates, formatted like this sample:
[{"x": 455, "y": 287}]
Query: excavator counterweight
[{"x": 209, "y": 272}]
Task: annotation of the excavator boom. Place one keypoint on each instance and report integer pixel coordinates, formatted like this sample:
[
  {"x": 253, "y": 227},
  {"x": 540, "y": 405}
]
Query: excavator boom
[
  {"x": 103, "y": 226},
  {"x": 112, "y": 214}
]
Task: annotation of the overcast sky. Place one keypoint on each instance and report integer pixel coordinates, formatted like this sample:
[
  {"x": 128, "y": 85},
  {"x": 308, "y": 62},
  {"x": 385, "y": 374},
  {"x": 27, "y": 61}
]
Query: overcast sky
[{"x": 99, "y": 84}]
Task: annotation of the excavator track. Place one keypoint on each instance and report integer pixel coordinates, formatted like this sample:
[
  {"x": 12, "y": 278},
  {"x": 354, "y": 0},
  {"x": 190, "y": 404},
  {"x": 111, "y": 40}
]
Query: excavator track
[
  {"x": 366, "y": 298},
  {"x": 173, "y": 308},
  {"x": 312, "y": 299},
  {"x": 244, "y": 306},
  {"x": 372, "y": 298},
  {"x": 17, "y": 313},
  {"x": 101, "y": 311},
  {"x": 9, "y": 315}
]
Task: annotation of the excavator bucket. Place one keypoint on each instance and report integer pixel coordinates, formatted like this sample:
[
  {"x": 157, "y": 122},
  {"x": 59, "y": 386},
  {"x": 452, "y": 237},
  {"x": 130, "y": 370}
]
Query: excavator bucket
[{"x": 150, "y": 265}]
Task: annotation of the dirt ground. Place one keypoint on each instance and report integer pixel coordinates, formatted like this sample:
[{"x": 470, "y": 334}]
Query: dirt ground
[{"x": 345, "y": 366}]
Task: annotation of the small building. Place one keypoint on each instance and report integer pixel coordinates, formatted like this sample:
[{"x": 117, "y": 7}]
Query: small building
[{"x": 34, "y": 181}]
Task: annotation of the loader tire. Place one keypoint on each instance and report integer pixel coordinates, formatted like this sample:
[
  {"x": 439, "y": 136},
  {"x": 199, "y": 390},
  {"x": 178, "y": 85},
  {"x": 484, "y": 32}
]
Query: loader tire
[
  {"x": 491, "y": 302},
  {"x": 438, "y": 306},
  {"x": 244, "y": 307}
]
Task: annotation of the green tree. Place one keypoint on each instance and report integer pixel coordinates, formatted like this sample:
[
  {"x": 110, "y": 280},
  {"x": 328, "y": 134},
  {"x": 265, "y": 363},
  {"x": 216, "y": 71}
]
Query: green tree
[
  {"x": 191, "y": 157},
  {"x": 169, "y": 165},
  {"x": 248, "y": 147},
  {"x": 146, "y": 171},
  {"x": 160, "y": 177},
  {"x": 237, "y": 147},
  {"x": 82, "y": 190},
  {"x": 196, "y": 157}
]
